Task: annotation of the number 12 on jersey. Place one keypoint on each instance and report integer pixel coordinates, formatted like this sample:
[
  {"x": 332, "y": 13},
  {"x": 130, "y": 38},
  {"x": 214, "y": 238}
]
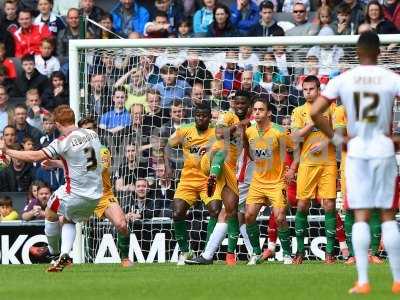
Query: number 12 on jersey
[{"x": 365, "y": 106}]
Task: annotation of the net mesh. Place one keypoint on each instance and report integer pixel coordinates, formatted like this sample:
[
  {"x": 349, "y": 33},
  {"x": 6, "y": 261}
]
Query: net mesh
[{"x": 136, "y": 140}]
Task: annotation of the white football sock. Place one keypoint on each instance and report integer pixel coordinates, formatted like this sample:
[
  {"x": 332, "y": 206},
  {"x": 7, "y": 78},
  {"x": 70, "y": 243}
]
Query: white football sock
[
  {"x": 272, "y": 246},
  {"x": 246, "y": 240},
  {"x": 67, "y": 237},
  {"x": 216, "y": 238},
  {"x": 52, "y": 231},
  {"x": 391, "y": 241},
  {"x": 361, "y": 238}
]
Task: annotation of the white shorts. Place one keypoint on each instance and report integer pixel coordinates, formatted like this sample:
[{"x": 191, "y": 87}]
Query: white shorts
[
  {"x": 371, "y": 183},
  {"x": 72, "y": 207},
  {"x": 243, "y": 192}
]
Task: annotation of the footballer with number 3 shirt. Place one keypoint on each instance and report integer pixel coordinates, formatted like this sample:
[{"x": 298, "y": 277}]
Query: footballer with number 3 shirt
[{"x": 75, "y": 201}]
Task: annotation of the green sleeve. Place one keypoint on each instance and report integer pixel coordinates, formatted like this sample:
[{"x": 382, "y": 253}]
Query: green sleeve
[{"x": 217, "y": 163}]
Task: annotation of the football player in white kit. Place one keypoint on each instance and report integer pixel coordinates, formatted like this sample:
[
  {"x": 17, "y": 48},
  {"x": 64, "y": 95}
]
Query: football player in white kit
[
  {"x": 368, "y": 93},
  {"x": 75, "y": 201}
]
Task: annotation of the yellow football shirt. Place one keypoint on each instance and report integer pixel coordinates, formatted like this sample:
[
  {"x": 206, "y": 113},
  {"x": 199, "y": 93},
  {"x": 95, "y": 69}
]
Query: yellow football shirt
[
  {"x": 192, "y": 140},
  {"x": 232, "y": 144},
  {"x": 268, "y": 148},
  {"x": 340, "y": 121},
  {"x": 300, "y": 118},
  {"x": 106, "y": 177}
]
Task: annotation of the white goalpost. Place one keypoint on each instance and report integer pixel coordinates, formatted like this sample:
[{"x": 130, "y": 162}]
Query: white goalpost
[{"x": 276, "y": 65}]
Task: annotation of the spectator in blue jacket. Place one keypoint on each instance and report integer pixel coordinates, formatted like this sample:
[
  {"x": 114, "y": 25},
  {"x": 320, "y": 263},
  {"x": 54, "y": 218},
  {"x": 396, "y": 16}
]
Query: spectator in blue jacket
[
  {"x": 203, "y": 17},
  {"x": 128, "y": 17},
  {"x": 244, "y": 15},
  {"x": 53, "y": 177}
]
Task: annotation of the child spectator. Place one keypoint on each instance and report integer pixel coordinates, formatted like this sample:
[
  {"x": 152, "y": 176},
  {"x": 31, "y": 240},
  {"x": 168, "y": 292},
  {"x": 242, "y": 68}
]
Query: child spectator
[
  {"x": 35, "y": 112},
  {"x": 9, "y": 21},
  {"x": 217, "y": 98},
  {"x": 231, "y": 75},
  {"x": 7, "y": 212},
  {"x": 57, "y": 94},
  {"x": 48, "y": 17},
  {"x": 35, "y": 209},
  {"x": 185, "y": 28},
  {"x": 27, "y": 144},
  {"x": 203, "y": 17},
  {"x": 343, "y": 25},
  {"x": 50, "y": 131},
  {"x": 45, "y": 62},
  {"x": 30, "y": 78},
  {"x": 32, "y": 191},
  {"x": 106, "y": 20},
  {"x": 11, "y": 71},
  {"x": 324, "y": 19}
]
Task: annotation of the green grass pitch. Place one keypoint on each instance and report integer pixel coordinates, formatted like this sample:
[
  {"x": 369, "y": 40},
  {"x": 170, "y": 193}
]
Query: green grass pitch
[{"x": 167, "y": 281}]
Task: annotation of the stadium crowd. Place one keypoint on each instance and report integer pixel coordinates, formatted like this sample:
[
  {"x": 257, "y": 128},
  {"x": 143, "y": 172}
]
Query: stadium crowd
[{"x": 138, "y": 102}]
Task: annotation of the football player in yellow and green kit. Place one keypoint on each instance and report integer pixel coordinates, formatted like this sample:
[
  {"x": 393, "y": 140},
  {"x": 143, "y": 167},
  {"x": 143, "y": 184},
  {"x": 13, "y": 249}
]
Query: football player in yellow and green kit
[
  {"x": 339, "y": 125},
  {"x": 316, "y": 176},
  {"x": 267, "y": 143},
  {"x": 108, "y": 206},
  {"x": 220, "y": 165},
  {"x": 193, "y": 182}
]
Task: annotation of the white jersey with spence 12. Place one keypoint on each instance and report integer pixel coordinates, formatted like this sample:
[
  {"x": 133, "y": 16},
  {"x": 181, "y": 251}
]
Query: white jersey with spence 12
[
  {"x": 80, "y": 153},
  {"x": 367, "y": 93}
]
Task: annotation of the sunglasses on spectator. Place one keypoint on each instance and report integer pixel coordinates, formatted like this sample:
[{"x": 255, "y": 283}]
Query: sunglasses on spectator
[{"x": 299, "y": 11}]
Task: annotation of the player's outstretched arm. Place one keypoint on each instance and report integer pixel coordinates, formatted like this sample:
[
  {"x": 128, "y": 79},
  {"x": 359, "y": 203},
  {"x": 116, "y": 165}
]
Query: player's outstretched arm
[
  {"x": 28, "y": 156},
  {"x": 317, "y": 109}
]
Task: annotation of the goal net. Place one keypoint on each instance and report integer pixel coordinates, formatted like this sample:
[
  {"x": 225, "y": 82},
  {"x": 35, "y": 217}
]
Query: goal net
[{"x": 163, "y": 79}]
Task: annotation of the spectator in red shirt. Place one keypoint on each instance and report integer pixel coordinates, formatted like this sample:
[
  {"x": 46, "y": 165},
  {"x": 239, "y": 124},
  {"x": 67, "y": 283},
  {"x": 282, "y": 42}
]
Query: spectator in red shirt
[
  {"x": 28, "y": 37},
  {"x": 7, "y": 62},
  {"x": 391, "y": 11}
]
